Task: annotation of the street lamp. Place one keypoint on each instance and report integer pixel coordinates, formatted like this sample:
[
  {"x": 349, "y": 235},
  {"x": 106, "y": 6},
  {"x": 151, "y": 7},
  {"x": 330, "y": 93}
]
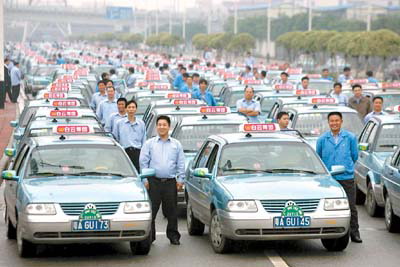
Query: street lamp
[
  {"x": 309, "y": 16},
  {"x": 235, "y": 30}
]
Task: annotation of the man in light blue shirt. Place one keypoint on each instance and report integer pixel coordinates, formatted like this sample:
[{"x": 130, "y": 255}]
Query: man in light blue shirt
[
  {"x": 99, "y": 96},
  {"x": 339, "y": 147},
  {"x": 343, "y": 78},
  {"x": 341, "y": 99},
  {"x": 247, "y": 73},
  {"x": 16, "y": 77},
  {"x": 130, "y": 132},
  {"x": 188, "y": 86},
  {"x": 249, "y": 61},
  {"x": 131, "y": 80},
  {"x": 107, "y": 107},
  {"x": 165, "y": 155},
  {"x": 377, "y": 105},
  {"x": 325, "y": 75},
  {"x": 115, "y": 117},
  {"x": 248, "y": 106},
  {"x": 204, "y": 95},
  {"x": 60, "y": 60},
  {"x": 370, "y": 77},
  {"x": 178, "y": 82}
]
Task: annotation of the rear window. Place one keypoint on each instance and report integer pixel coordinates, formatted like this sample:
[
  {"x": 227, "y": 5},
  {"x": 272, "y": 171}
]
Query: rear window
[{"x": 388, "y": 138}]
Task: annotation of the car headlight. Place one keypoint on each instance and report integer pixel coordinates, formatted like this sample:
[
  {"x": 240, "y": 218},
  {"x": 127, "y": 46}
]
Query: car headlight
[
  {"x": 40, "y": 209},
  {"x": 137, "y": 207},
  {"x": 242, "y": 206},
  {"x": 336, "y": 204}
]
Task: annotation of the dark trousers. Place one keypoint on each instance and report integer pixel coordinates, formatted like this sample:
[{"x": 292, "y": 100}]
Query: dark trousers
[
  {"x": 163, "y": 191},
  {"x": 134, "y": 154},
  {"x": 15, "y": 93},
  {"x": 350, "y": 189},
  {"x": 8, "y": 91}
]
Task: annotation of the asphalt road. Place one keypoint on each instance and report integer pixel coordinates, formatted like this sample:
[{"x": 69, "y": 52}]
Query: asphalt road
[{"x": 379, "y": 248}]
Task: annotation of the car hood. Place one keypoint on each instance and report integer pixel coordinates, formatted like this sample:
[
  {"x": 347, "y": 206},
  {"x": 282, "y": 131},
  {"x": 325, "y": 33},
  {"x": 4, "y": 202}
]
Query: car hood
[
  {"x": 83, "y": 189},
  {"x": 281, "y": 186}
]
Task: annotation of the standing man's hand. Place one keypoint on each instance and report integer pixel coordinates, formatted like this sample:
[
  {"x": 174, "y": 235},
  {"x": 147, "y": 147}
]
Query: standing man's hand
[
  {"x": 179, "y": 186},
  {"x": 146, "y": 184}
]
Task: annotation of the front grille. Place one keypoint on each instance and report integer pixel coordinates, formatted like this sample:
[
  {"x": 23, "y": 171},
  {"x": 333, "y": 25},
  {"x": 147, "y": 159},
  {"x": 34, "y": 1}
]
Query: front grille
[
  {"x": 75, "y": 209},
  {"x": 276, "y": 206},
  {"x": 297, "y": 231},
  {"x": 89, "y": 234}
]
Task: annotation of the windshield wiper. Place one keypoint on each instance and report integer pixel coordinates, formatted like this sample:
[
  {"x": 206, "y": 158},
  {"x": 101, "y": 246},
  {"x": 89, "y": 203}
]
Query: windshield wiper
[
  {"x": 99, "y": 173},
  {"x": 42, "y": 163},
  {"x": 47, "y": 174},
  {"x": 291, "y": 170},
  {"x": 387, "y": 145},
  {"x": 248, "y": 170}
]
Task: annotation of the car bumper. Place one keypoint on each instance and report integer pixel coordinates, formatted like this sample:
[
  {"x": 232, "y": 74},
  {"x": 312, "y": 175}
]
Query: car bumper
[
  {"x": 57, "y": 229},
  {"x": 259, "y": 226}
]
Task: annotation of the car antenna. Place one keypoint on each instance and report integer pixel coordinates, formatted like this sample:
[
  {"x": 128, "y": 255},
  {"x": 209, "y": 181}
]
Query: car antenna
[
  {"x": 248, "y": 135},
  {"x": 62, "y": 137},
  {"x": 204, "y": 117},
  {"x": 177, "y": 108}
]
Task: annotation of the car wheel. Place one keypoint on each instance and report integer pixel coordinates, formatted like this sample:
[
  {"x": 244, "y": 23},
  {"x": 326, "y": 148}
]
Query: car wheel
[
  {"x": 391, "y": 220},
  {"x": 25, "y": 248},
  {"x": 194, "y": 226},
  {"x": 143, "y": 247},
  {"x": 336, "y": 244},
  {"x": 219, "y": 243},
  {"x": 370, "y": 203},
  {"x": 360, "y": 196},
  {"x": 11, "y": 231}
]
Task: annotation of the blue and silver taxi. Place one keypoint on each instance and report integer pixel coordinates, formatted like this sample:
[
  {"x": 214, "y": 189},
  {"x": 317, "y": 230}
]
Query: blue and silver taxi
[
  {"x": 264, "y": 185},
  {"x": 55, "y": 195},
  {"x": 378, "y": 140}
]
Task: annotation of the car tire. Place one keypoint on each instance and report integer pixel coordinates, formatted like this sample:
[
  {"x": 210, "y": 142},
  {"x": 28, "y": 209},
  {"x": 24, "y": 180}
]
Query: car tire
[
  {"x": 360, "y": 196},
  {"x": 370, "y": 203},
  {"x": 143, "y": 247},
  {"x": 336, "y": 244},
  {"x": 194, "y": 226},
  {"x": 391, "y": 220},
  {"x": 219, "y": 243},
  {"x": 26, "y": 249},
  {"x": 11, "y": 231}
]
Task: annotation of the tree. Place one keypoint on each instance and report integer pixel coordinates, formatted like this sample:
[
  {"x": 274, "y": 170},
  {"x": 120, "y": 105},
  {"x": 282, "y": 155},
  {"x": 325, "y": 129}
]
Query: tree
[
  {"x": 200, "y": 41},
  {"x": 241, "y": 42}
]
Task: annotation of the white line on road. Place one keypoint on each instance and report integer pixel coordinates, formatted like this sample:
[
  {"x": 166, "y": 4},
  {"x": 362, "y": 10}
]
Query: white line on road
[{"x": 275, "y": 259}]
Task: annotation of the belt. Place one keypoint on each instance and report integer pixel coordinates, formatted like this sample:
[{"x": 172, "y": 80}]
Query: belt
[
  {"x": 131, "y": 148},
  {"x": 163, "y": 180}
]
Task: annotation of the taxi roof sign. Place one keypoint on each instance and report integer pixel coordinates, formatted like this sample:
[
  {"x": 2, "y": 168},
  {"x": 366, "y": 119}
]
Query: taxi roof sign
[
  {"x": 322, "y": 101},
  {"x": 252, "y": 82},
  {"x": 283, "y": 87},
  {"x": 178, "y": 95},
  {"x": 73, "y": 129},
  {"x": 52, "y": 95},
  {"x": 294, "y": 71},
  {"x": 208, "y": 110},
  {"x": 396, "y": 109},
  {"x": 64, "y": 113},
  {"x": 390, "y": 85},
  {"x": 358, "y": 81},
  {"x": 66, "y": 103},
  {"x": 259, "y": 127},
  {"x": 314, "y": 76},
  {"x": 182, "y": 102},
  {"x": 307, "y": 92},
  {"x": 159, "y": 87}
]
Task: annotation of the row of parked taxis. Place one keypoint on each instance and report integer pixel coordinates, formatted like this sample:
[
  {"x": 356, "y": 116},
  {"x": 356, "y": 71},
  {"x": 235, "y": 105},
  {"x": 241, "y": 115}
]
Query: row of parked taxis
[{"x": 69, "y": 181}]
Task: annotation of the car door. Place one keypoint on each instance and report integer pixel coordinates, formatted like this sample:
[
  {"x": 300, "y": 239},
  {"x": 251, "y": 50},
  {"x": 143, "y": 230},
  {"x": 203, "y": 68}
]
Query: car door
[
  {"x": 364, "y": 157},
  {"x": 393, "y": 185},
  {"x": 11, "y": 187},
  {"x": 274, "y": 111}
]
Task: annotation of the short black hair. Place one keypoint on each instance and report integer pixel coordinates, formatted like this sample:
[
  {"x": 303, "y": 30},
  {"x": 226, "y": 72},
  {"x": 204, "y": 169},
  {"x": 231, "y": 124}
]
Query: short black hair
[
  {"x": 335, "y": 113},
  {"x": 281, "y": 114},
  {"x": 346, "y": 69},
  {"x": 102, "y": 81},
  {"x": 183, "y": 68},
  {"x": 305, "y": 78},
  {"x": 337, "y": 84},
  {"x": 196, "y": 74},
  {"x": 248, "y": 67},
  {"x": 227, "y": 65},
  {"x": 131, "y": 69},
  {"x": 185, "y": 75},
  {"x": 247, "y": 87},
  {"x": 157, "y": 64},
  {"x": 377, "y": 97},
  {"x": 112, "y": 71},
  {"x": 263, "y": 73},
  {"x": 203, "y": 81},
  {"x": 104, "y": 75},
  {"x": 164, "y": 117},
  {"x": 285, "y": 73},
  {"x": 123, "y": 99},
  {"x": 325, "y": 69},
  {"x": 369, "y": 73},
  {"x": 130, "y": 102},
  {"x": 355, "y": 86},
  {"x": 107, "y": 81}
]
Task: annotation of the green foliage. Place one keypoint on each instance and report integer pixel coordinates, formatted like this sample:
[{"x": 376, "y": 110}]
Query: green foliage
[
  {"x": 192, "y": 28},
  {"x": 163, "y": 39},
  {"x": 224, "y": 41},
  {"x": 242, "y": 42},
  {"x": 390, "y": 22}
]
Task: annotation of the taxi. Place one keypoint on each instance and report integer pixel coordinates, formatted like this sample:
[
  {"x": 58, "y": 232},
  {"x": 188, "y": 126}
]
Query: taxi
[
  {"x": 378, "y": 140},
  {"x": 324, "y": 86},
  {"x": 216, "y": 86},
  {"x": 191, "y": 131},
  {"x": 264, "y": 184},
  {"x": 231, "y": 94},
  {"x": 391, "y": 191},
  {"x": 282, "y": 104},
  {"x": 105, "y": 201},
  {"x": 312, "y": 120}
]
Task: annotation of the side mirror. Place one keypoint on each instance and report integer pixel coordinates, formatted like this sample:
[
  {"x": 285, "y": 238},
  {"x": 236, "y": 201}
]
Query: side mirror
[
  {"x": 14, "y": 124},
  {"x": 269, "y": 120},
  {"x": 10, "y": 175},
  {"x": 337, "y": 169},
  {"x": 220, "y": 104},
  {"x": 202, "y": 173},
  {"x": 9, "y": 152},
  {"x": 363, "y": 146},
  {"x": 18, "y": 136},
  {"x": 146, "y": 173}
]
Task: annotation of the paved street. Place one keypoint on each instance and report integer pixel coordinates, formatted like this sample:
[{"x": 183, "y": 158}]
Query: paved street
[{"x": 380, "y": 248}]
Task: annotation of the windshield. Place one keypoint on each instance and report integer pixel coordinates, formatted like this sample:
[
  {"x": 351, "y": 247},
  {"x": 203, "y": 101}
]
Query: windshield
[
  {"x": 269, "y": 157},
  {"x": 79, "y": 160},
  {"x": 232, "y": 98},
  {"x": 144, "y": 102},
  {"x": 175, "y": 119},
  {"x": 193, "y": 136},
  {"x": 314, "y": 124},
  {"x": 43, "y": 71},
  {"x": 216, "y": 89},
  {"x": 390, "y": 100},
  {"x": 323, "y": 87},
  {"x": 26, "y": 116},
  {"x": 388, "y": 138},
  {"x": 267, "y": 103}
]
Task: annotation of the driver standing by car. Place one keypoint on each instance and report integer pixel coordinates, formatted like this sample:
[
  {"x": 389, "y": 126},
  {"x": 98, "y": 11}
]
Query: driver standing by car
[
  {"x": 339, "y": 147},
  {"x": 248, "y": 106}
]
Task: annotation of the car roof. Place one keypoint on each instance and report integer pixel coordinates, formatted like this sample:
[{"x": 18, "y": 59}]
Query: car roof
[
  {"x": 232, "y": 118},
  {"x": 43, "y": 111},
  {"x": 90, "y": 139},
  {"x": 256, "y": 137},
  {"x": 173, "y": 110},
  {"x": 386, "y": 119},
  {"x": 49, "y": 123},
  {"x": 321, "y": 108}
]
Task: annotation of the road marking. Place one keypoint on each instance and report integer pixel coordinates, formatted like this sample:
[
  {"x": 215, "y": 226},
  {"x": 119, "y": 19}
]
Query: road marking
[
  {"x": 164, "y": 233},
  {"x": 275, "y": 259}
]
